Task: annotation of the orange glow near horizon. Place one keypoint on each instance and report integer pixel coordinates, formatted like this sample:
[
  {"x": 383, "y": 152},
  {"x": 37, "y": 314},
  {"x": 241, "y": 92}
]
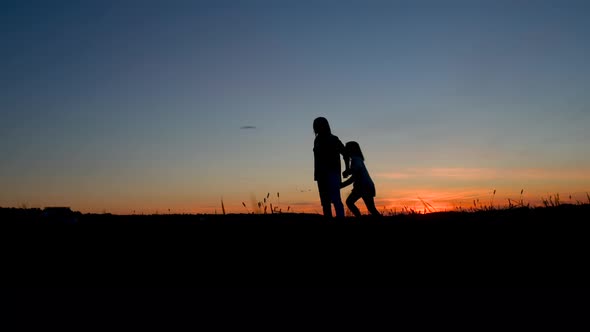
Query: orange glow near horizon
[
  {"x": 421, "y": 201},
  {"x": 419, "y": 189}
]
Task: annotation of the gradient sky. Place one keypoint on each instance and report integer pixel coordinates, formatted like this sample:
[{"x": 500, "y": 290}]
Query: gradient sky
[{"x": 125, "y": 106}]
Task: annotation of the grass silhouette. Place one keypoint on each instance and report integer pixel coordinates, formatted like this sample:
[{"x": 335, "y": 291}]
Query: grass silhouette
[
  {"x": 520, "y": 246},
  {"x": 265, "y": 206},
  {"x": 515, "y": 246}
]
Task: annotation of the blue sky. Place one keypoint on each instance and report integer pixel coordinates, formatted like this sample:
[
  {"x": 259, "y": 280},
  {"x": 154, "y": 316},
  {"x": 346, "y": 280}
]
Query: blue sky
[{"x": 137, "y": 105}]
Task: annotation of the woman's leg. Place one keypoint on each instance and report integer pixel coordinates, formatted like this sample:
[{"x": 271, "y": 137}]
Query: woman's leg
[
  {"x": 324, "y": 189},
  {"x": 370, "y": 203},
  {"x": 352, "y": 198},
  {"x": 334, "y": 194}
]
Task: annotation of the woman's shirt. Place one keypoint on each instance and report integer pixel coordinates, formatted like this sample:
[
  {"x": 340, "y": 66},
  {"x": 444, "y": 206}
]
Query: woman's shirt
[{"x": 326, "y": 151}]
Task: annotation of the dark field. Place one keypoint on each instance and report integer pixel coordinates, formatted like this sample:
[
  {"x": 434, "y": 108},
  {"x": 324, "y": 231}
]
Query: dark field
[{"x": 543, "y": 247}]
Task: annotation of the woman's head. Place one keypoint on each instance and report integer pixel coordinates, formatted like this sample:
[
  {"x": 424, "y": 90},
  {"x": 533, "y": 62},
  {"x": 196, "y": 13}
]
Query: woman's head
[
  {"x": 321, "y": 126},
  {"x": 353, "y": 149}
]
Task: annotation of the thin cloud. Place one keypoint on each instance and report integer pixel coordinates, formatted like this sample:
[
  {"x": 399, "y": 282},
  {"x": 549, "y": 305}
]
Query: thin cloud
[
  {"x": 395, "y": 176},
  {"x": 453, "y": 173},
  {"x": 460, "y": 173},
  {"x": 248, "y": 127}
]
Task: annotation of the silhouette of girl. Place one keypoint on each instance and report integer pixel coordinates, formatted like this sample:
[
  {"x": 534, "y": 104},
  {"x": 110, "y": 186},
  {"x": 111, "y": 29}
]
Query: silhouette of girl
[
  {"x": 363, "y": 185},
  {"x": 327, "y": 149}
]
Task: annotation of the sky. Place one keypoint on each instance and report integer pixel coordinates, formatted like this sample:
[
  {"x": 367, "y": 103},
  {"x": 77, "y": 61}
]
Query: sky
[{"x": 137, "y": 106}]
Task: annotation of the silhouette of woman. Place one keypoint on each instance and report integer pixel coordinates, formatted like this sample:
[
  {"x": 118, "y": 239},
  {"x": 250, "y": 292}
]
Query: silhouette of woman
[
  {"x": 327, "y": 149},
  {"x": 363, "y": 184}
]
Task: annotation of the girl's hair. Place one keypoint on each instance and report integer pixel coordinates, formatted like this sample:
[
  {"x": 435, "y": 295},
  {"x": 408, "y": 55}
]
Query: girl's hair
[
  {"x": 321, "y": 126},
  {"x": 354, "y": 149}
]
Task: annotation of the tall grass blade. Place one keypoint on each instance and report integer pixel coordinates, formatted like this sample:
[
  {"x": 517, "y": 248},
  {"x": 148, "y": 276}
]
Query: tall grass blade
[{"x": 427, "y": 206}]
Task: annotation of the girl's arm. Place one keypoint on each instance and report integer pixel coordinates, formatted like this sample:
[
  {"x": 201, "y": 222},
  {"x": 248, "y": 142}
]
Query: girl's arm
[
  {"x": 346, "y": 158},
  {"x": 347, "y": 182}
]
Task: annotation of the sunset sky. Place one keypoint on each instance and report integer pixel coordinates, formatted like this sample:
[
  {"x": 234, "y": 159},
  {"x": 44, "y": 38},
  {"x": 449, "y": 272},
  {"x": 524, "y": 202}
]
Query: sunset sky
[{"x": 137, "y": 106}]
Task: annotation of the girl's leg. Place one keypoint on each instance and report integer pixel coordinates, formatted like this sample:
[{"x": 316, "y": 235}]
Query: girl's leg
[
  {"x": 350, "y": 203},
  {"x": 370, "y": 203}
]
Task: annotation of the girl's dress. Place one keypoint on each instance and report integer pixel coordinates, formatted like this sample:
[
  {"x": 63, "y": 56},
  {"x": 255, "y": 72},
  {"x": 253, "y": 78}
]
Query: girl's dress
[{"x": 363, "y": 185}]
